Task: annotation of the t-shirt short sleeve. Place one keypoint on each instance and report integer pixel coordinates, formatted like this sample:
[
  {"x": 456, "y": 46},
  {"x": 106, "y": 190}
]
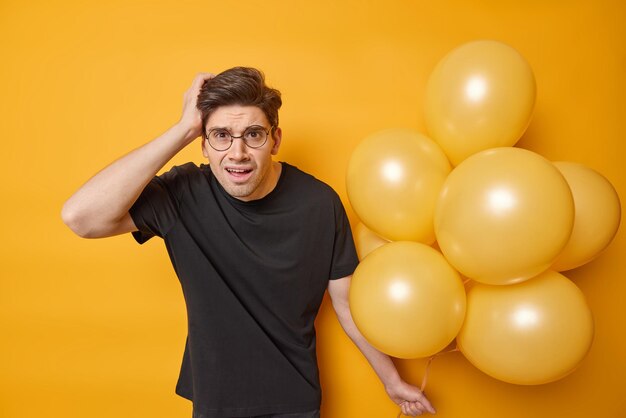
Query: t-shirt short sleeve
[
  {"x": 345, "y": 258},
  {"x": 156, "y": 209}
]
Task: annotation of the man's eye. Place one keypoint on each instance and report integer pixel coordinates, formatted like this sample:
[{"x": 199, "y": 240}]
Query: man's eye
[
  {"x": 220, "y": 134},
  {"x": 253, "y": 134}
]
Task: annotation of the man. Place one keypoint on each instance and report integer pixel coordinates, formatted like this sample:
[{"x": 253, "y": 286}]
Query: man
[{"x": 254, "y": 242}]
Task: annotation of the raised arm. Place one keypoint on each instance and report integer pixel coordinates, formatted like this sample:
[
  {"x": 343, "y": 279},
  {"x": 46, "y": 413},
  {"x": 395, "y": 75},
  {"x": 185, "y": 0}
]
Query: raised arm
[
  {"x": 411, "y": 400},
  {"x": 100, "y": 207}
]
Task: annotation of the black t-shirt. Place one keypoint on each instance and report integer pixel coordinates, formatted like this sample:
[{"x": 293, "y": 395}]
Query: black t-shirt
[{"x": 253, "y": 276}]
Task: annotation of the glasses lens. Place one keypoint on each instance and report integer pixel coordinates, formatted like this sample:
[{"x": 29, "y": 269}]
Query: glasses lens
[
  {"x": 255, "y": 136},
  {"x": 219, "y": 139}
]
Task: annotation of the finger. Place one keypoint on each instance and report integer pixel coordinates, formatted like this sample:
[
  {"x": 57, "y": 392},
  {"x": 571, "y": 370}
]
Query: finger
[
  {"x": 419, "y": 406},
  {"x": 414, "y": 409},
  {"x": 200, "y": 78},
  {"x": 197, "y": 84},
  {"x": 191, "y": 95},
  {"x": 404, "y": 409},
  {"x": 426, "y": 404}
]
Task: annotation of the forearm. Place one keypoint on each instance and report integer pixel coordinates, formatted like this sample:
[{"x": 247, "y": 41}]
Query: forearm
[
  {"x": 381, "y": 363},
  {"x": 106, "y": 198},
  {"x": 410, "y": 398}
]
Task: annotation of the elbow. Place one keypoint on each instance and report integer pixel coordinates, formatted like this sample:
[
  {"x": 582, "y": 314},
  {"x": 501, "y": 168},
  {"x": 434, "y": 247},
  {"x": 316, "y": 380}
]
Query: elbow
[{"x": 72, "y": 218}]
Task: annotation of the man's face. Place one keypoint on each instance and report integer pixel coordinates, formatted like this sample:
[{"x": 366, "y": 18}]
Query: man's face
[{"x": 244, "y": 172}]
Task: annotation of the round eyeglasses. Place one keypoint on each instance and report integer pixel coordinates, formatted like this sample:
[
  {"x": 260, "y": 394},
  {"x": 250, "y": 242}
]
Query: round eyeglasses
[{"x": 255, "y": 136}]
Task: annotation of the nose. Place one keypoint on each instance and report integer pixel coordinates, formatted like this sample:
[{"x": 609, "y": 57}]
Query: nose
[{"x": 238, "y": 151}]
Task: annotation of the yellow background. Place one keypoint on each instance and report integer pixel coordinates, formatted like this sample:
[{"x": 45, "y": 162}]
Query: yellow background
[{"x": 96, "y": 328}]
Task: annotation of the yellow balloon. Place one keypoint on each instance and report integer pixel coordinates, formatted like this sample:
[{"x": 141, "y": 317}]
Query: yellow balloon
[
  {"x": 406, "y": 300},
  {"x": 393, "y": 181},
  {"x": 528, "y": 333},
  {"x": 479, "y": 96},
  {"x": 597, "y": 215},
  {"x": 366, "y": 241},
  {"x": 504, "y": 215}
]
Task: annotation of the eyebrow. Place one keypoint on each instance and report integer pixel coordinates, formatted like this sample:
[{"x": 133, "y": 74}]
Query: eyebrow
[{"x": 214, "y": 128}]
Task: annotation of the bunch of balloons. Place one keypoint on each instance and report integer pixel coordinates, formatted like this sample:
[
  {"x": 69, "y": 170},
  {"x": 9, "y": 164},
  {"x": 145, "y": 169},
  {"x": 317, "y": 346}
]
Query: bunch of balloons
[{"x": 464, "y": 204}]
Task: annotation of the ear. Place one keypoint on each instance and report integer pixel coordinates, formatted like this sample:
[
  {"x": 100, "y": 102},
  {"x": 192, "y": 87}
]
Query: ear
[
  {"x": 277, "y": 136},
  {"x": 205, "y": 150}
]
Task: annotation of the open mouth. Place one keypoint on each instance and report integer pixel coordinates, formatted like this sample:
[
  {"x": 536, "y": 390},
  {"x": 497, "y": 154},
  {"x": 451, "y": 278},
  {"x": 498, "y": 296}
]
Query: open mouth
[{"x": 239, "y": 173}]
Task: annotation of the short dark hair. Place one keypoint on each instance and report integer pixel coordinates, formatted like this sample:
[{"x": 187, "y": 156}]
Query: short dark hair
[{"x": 242, "y": 86}]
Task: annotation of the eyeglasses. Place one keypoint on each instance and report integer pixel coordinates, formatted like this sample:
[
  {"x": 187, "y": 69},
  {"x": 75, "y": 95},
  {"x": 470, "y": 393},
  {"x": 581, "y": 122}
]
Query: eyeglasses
[{"x": 254, "y": 136}]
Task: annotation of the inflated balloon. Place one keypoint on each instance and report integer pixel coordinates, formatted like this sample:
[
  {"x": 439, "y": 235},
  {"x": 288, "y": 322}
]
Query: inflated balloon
[
  {"x": 366, "y": 241},
  {"x": 393, "y": 181},
  {"x": 597, "y": 215},
  {"x": 528, "y": 333},
  {"x": 479, "y": 96},
  {"x": 406, "y": 300},
  {"x": 504, "y": 215}
]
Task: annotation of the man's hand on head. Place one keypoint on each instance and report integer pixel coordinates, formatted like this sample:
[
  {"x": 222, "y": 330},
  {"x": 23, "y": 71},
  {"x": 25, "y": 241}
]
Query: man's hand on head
[{"x": 191, "y": 119}]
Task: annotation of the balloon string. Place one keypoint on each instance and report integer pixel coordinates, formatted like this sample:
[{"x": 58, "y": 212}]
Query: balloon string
[
  {"x": 430, "y": 360},
  {"x": 466, "y": 281}
]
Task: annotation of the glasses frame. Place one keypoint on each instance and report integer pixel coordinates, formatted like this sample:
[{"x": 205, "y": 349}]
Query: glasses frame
[{"x": 242, "y": 137}]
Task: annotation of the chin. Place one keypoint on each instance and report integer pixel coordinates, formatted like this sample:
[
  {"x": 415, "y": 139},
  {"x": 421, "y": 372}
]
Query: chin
[{"x": 240, "y": 192}]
